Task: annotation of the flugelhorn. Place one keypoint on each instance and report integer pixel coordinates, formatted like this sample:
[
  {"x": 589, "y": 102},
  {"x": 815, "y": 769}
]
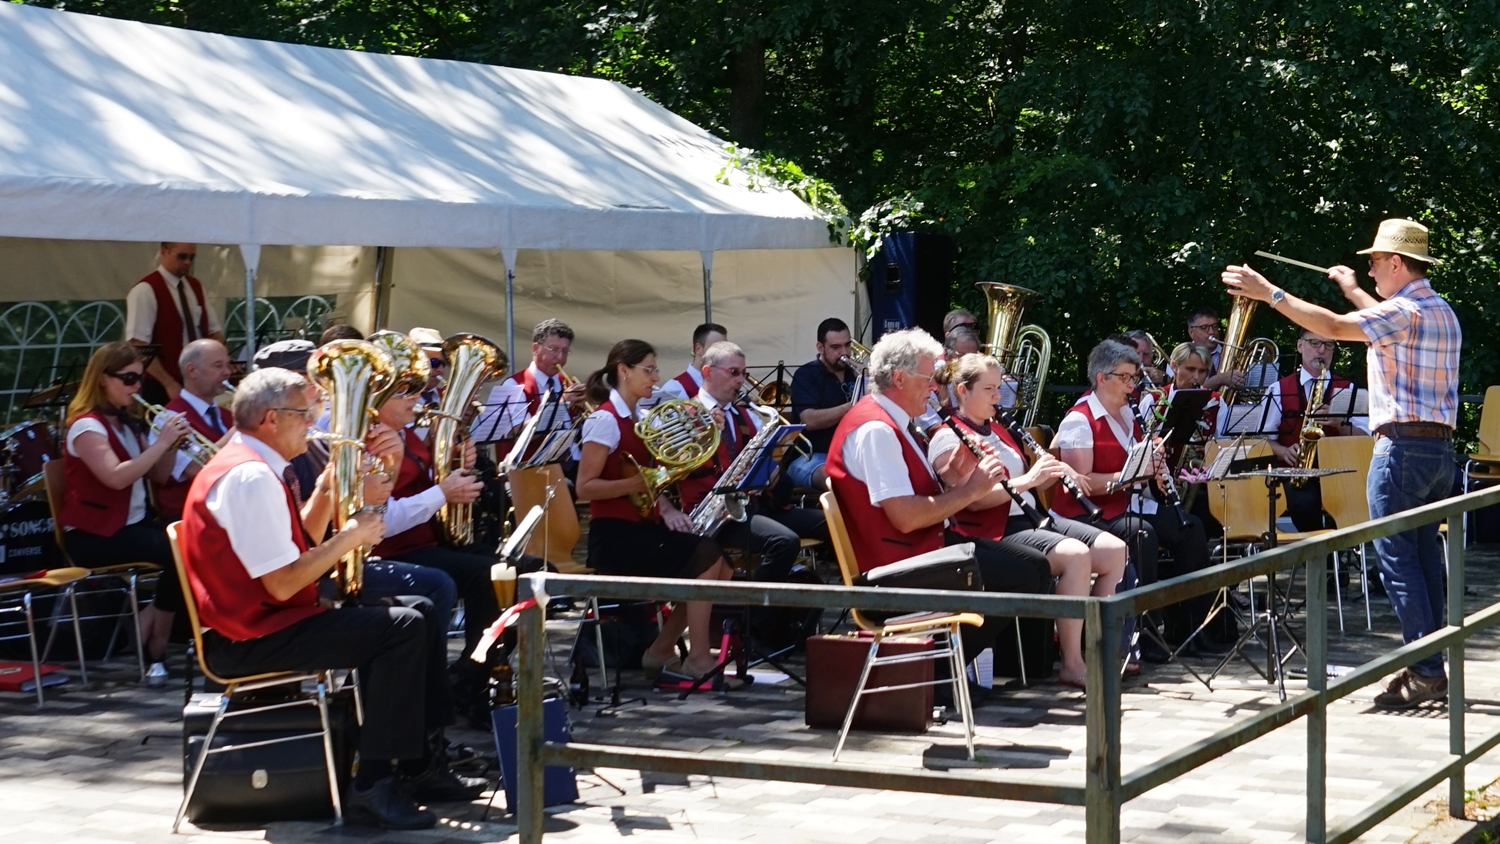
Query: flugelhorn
[
  {"x": 351, "y": 373},
  {"x": 1024, "y": 352},
  {"x": 198, "y": 448},
  {"x": 681, "y": 435},
  {"x": 1240, "y": 354},
  {"x": 472, "y": 360},
  {"x": 858, "y": 358}
]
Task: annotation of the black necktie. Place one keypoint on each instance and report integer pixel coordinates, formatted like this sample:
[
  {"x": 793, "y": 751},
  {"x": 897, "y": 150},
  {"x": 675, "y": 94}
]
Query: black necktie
[
  {"x": 730, "y": 423},
  {"x": 187, "y": 313},
  {"x": 293, "y": 484}
]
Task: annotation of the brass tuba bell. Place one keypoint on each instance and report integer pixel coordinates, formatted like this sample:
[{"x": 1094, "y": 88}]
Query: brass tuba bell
[
  {"x": 682, "y": 435},
  {"x": 1024, "y": 352},
  {"x": 411, "y": 366},
  {"x": 472, "y": 360},
  {"x": 1256, "y": 358}
]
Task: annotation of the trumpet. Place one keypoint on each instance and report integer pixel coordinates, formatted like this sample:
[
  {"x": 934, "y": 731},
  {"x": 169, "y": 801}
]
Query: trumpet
[
  {"x": 569, "y": 383},
  {"x": 858, "y": 358},
  {"x": 198, "y": 448}
]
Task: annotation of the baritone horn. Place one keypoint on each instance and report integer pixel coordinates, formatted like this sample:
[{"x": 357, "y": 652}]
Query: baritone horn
[
  {"x": 1255, "y": 358},
  {"x": 681, "y": 435},
  {"x": 1024, "y": 352},
  {"x": 351, "y": 373},
  {"x": 471, "y": 360}
]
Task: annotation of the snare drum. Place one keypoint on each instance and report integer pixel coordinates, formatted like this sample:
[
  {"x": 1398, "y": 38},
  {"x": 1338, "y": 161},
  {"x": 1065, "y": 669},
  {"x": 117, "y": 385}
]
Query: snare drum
[{"x": 28, "y": 447}]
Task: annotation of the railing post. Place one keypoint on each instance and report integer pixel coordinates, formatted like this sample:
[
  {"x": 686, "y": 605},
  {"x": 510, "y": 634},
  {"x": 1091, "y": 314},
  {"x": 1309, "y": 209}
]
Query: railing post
[
  {"x": 1317, "y": 718},
  {"x": 1456, "y": 664},
  {"x": 1101, "y": 627},
  {"x": 529, "y": 809}
]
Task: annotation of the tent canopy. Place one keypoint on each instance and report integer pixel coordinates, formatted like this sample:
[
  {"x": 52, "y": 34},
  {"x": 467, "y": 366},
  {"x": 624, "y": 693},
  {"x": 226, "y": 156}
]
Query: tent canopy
[{"x": 123, "y": 131}]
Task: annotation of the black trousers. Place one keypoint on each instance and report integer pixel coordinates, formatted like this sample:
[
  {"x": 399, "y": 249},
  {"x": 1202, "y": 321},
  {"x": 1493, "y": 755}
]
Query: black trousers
[
  {"x": 387, "y": 644},
  {"x": 776, "y": 544},
  {"x": 143, "y": 542},
  {"x": 471, "y": 574},
  {"x": 1304, "y": 504},
  {"x": 1003, "y": 571},
  {"x": 1187, "y": 546}
]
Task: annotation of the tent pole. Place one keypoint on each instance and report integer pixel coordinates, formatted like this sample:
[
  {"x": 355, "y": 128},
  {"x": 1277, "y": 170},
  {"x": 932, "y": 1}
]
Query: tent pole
[
  {"x": 251, "y": 254},
  {"x": 383, "y": 264},
  {"x": 708, "y": 286},
  {"x": 508, "y": 259}
]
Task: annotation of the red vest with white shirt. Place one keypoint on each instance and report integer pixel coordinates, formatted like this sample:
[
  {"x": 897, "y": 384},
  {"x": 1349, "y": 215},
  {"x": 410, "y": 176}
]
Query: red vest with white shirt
[
  {"x": 687, "y": 383},
  {"x": 990, "y": 522},
  {"x": 1109, "y": 458},
  {"x": 876, "y": 541},
  {"x": 414, "y": 477},
  {"x": 615, "y": 469},
  {"x": 171, "y": 495},
  {"x": 167, "y": 332},
  {"x": 696, "y": 486},
  {"x": 1293, "y": 405},
  {"x": 88, "y": 504}
]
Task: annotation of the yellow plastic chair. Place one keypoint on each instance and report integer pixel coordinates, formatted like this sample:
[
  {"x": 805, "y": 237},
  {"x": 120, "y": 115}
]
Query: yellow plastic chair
[{"x": 16, "y": 597}]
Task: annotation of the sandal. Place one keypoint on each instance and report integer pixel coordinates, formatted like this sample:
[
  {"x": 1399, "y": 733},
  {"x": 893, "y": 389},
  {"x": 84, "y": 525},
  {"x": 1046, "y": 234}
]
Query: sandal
[{"x": 655, "y": 667}]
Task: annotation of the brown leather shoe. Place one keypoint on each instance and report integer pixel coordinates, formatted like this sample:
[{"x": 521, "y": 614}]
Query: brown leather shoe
[{"x": 1406, "y": 690}]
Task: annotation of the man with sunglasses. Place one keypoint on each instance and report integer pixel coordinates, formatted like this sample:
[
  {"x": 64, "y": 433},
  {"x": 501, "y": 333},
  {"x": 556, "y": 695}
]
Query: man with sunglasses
[
  {"x": 687, "y": 385},
  {"x": 167, "y": 309},
  {"x": 431, "y": 343},
  {"x": 1414, "y": 342}
]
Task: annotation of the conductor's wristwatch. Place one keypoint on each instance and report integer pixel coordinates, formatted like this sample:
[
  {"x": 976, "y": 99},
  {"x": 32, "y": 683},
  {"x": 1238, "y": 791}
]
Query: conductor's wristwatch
[{"x": 1276, "y": 296}]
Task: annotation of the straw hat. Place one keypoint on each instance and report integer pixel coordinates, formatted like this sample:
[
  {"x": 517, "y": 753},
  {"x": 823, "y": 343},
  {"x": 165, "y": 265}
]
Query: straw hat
[
  {"x": 1402, "y": 237},
  {"x": 428, "y": 338}
]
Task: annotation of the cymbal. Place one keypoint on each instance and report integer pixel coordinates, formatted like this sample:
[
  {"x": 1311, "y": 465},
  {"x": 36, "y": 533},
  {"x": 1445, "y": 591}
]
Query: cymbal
[{"x": 51, "y": 394}]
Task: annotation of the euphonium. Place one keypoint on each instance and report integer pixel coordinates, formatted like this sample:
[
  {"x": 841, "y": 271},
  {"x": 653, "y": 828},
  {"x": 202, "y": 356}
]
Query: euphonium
[
  {"x": 682, "y": 436},
  {"x": 1307, "y": 441},
  {"x": 411, "y": 366},
  {"x": 1024, "y": 352},
  {"x": 472, "y": 360},
  {"x": 351, "y": 373},
  {"x": 1239, "y": 356},
  {"x": 198, "y": 448}
]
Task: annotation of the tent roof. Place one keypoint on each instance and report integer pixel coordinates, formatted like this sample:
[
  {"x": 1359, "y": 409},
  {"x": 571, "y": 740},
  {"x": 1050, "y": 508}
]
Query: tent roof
[{"x": 115, "y": 130}]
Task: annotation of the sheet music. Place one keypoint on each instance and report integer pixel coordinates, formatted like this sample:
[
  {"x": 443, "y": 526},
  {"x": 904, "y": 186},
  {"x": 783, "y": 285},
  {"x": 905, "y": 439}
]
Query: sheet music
[
  {"x": 494, "y": 422},
  {"x": 1137, "y": 465},
  {"x": 1348, "y": 403},
  {"x": 1238, "y": 450},
  {"x": 555, "y": 448},
  {"x": 1254, "y": 418}
]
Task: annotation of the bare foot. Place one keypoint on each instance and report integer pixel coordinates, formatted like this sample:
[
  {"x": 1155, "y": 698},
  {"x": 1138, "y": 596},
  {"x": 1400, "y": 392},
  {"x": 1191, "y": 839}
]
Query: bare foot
[
  {"x": 1072, "y": 677},
  {"x": 156, "y": 628},
  {"x": 698, "y": 667}
]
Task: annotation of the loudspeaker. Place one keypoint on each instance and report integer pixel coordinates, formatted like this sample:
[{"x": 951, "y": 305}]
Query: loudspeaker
[{"x": 911, "y": 283}]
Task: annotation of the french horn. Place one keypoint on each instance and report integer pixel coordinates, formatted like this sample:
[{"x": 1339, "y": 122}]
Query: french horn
[{"x": 681, "y": 435}]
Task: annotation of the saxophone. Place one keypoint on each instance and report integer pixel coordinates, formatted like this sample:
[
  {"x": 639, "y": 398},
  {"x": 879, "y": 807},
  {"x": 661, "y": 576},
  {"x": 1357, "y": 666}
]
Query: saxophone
[
  {"x": 472, "y": 360},
  {"x": 719, "y": 507},
  {"x": 1307, "y": 442}
]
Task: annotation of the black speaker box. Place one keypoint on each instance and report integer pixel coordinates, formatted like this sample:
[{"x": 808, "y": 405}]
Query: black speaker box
[{"x": 911, "y": 283}]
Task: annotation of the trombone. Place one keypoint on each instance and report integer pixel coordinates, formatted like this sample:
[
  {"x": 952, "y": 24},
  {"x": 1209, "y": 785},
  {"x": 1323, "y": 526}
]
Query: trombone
[{"x": 198, "y": 448}]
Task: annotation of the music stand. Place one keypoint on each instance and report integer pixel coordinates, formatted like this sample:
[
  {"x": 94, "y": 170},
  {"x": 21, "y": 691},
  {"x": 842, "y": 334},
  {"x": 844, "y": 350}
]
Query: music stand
[{"x": 1184, "y": 409}]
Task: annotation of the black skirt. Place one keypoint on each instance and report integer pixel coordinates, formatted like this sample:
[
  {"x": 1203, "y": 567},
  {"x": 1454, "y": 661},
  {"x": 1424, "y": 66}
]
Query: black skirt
[{"x": 645, "y": 549}]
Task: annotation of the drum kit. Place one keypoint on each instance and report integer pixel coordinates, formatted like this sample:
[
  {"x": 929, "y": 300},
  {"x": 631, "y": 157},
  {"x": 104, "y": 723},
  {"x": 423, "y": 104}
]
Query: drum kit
[{"x": 26, "y": 537}]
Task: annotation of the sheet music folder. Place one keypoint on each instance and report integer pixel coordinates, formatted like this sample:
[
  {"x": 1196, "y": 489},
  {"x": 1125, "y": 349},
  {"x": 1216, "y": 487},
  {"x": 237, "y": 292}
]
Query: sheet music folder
[
  {"x": 765, "y": 463},
  {"x": 1185, "y": 408}
]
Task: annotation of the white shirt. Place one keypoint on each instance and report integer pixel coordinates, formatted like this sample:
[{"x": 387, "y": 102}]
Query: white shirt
[
  {"x": 603, "y": 426},
  {"x": 1075, "y": 432},
  {"x": 403, "y": 514},
  {"x": 1271, "y": 408},
  {"x": 505, "y": 412},
  {"x": 132, "y": 445},
  {"x": 206, "y": 409},
  {"x": 140, "y": 309},
  {"x": 944, "y": 441},
  {"x": 872, "y": 454},
  {"x": 249, "y": 503},
  {"x": 673, "y": 388}
]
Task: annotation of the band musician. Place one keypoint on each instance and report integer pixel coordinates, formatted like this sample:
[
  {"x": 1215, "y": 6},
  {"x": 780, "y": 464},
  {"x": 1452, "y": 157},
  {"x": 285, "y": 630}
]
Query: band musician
[
  {"x": 892, "y": 501},
  {"x": 821, "y": 395},
  {"x": 688, "y": 383},
  {"x": 1203, "y": 328},
  {"x": 167, "y": 309},
  {"x": 204, "y": 365},
  {"x": 775, "y": 536}
]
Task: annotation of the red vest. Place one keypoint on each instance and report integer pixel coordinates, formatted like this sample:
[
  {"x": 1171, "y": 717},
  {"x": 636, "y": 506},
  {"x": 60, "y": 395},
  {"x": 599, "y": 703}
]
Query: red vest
[
  {"x": 171, "y": 495},
  {"x": 689, "y": 386},
  {"x": 229, "y": 600},
  {"x": 1109, "y": 458},
  {"x": 1293, "y": 405},
  {"x": 415, "y": 477},
  {"x": 696, "y": 486},
  {"x": 88, "y": 504},
  {"x": 876, "y": 541},
  {"x": 990, "y": 522},
  {"x": 615, "y": 469},
  {"x": 167, "y": 332}
]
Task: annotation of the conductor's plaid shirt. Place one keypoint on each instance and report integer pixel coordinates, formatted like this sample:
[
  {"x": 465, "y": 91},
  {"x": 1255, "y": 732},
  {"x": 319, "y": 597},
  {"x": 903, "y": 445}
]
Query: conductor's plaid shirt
[{"x": 1413, "y": 360}]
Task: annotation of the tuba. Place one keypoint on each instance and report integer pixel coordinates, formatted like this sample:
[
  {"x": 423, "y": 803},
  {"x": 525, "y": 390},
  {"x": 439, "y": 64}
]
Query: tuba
[
  {"x": 351, "y": 373},
  {"x": 682, "y": 436},
  {"x": 1252, "y": 358},
  {"x": 472, "y": 360},
  {"x": 412, "y": 366},
  {"x": 1024, "y": 352}
]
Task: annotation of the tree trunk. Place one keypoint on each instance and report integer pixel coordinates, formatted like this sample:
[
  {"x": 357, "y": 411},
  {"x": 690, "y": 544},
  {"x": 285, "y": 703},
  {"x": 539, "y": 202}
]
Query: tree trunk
[{"x": 747, "y": 94}]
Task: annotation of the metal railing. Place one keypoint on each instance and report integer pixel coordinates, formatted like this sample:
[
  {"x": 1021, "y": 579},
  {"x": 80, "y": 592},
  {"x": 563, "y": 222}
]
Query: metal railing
[{"x": 1105, "y": 788}]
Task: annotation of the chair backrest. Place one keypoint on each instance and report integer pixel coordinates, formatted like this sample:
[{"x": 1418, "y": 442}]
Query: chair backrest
[
  {"x": 1344, "y": 495},
  {"x": 843, "y": 551},
  {"x": 1489, "y": 422},
  {"x": 190, "y": 602},
  {"x": 55, "y": 478},
  {"x": 1240, "y": 506}
]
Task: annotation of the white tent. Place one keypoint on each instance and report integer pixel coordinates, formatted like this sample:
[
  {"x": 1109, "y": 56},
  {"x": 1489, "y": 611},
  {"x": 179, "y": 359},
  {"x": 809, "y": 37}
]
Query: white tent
[{"x": 592, "y": 195}]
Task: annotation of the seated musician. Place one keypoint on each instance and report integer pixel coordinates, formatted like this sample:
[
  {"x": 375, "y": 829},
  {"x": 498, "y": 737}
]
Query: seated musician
[
  {"x": 621, "y": 540},
  {"x": 821, "y": 391},
  {"x": 893, "y": 503},
  {"x": 1141, "y": 342},
  {"x": 431, "y": 343},
  {"x": 1203, "y": 330},
  {"x": 253, "y": 573},
  {"x": 1287, "y": 409},
  {"x": 106, "y": 510},
  {"x": 766, "y": 532},
  {"x": 1190, "y": 364},
  {"x": 959, "y": 318},
  {"x": 1095, "y": 438},
  {"x": 1072, "y": 550},
  {"x": 687, "y": 384},
  {"x": 204, "y": 365}
]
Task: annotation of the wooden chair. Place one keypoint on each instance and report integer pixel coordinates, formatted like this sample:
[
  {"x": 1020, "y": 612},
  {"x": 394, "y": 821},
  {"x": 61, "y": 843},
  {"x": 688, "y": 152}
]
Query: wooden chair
[
  {"x": 1344, "y": 499},
  {"x": 16, "y": 597},
  {"x": 1484, "y": 465},
  {"x": 236, "y": 685},
  {"x": 936, "y": 624},
  {"x": 101, "y": 577}
]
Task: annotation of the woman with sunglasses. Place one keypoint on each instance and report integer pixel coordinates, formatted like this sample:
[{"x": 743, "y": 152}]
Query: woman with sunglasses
[
  {"x": 1095, "y": 438},
  {"x": 621, "y": 540},
  {"x": 1072, "y": 551},
  {"x": 106, "y": 510}
]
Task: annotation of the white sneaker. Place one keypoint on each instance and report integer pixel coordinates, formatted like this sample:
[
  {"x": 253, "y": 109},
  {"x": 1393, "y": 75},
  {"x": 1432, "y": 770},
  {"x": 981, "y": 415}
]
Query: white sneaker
[{"x": 156, "y": 676}]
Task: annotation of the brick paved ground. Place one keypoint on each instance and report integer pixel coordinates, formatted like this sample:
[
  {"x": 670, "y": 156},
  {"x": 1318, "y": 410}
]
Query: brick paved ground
[{"x": 102, "y": 764}]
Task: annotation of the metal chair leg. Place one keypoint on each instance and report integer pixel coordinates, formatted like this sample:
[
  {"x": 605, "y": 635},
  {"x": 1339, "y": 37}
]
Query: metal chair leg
[
  {"x": 1020, "y": 653},
  {"x": 328, "y": 758},
  {"x": 36, "y": 663},
  {"x": 83, "y": 667},
  {"x": 961, "y": 686},
  {"x": 135, "y": 624},
  {"x": 1338, "y": 592},
  {"x": 599, "y": 641},
  {"x": 208, "y": 741},
  {"x": 1364, "y": 579},
  {"x": 859, "y": 690}
]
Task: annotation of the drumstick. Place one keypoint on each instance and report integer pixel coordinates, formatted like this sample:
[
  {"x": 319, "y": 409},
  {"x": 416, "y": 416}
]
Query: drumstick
[{"x": 1302, "y": 264}]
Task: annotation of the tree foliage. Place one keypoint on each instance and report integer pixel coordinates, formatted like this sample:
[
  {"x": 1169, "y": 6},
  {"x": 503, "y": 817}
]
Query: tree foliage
[{"x": 1113, "y": 155}]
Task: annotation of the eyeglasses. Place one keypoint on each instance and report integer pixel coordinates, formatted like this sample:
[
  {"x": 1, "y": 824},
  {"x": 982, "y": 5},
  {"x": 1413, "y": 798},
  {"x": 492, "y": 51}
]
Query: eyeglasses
[
  {"x": 129, "y": 379},
  {"x": 1127, "y": 377},
  {"x": 732, "y": 373},
  {"x": 562, "y": 353},
  {"x": 187, "y": 256},
  {"x": 649, "y": 370},
  {"x": 307, "y": 413},
  {"x": 1207, "y": 326},
  {"x": 1374, "y": 258},
  {"x": 437, "y": 363},
  {"x": 1321, "y": 344},
  {"x": 928, "y": 376}
]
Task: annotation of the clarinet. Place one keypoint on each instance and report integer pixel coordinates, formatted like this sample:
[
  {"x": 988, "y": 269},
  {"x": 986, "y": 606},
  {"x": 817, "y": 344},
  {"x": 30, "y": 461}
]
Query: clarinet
[
  {"x": 979, "y": 449},
  {"x": 1030, "y": 444},
  {"x": 1169, "y": 489}
]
